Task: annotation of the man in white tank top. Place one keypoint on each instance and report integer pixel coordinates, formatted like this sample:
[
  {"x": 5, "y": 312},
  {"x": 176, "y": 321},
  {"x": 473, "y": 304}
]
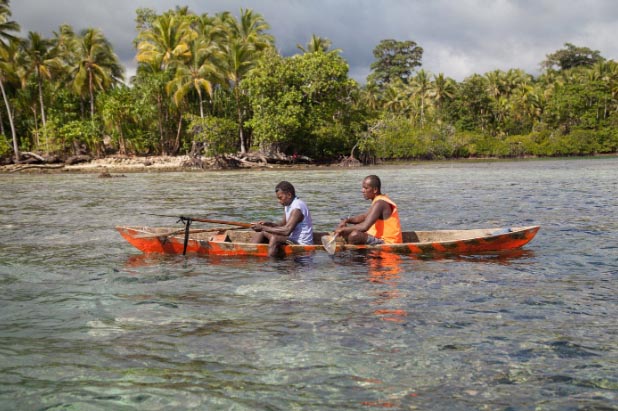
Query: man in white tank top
[{"x": 296, "y": 225}]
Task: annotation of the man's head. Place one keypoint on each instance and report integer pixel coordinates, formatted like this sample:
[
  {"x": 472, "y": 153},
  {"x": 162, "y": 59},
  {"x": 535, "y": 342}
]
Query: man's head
[
  {"x": 371, "y": 187},
  {"x": 285, "y": 193}
]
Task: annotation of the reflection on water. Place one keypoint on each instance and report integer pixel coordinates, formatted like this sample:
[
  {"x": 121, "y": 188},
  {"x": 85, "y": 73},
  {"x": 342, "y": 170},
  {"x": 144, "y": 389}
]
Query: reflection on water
[
  {"x": 386, "y": 269},
  {"x": 87, "y": 322}
]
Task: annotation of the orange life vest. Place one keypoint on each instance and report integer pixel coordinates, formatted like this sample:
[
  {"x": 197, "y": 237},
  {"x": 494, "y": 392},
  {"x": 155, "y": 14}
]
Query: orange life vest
[{"x": 388, "y": 230}]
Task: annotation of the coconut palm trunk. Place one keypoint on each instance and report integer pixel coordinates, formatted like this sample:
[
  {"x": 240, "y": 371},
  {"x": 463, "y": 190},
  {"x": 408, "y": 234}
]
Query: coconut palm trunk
[
  {"x": 91, "y": 91},
  {"x": 241, "y": 135},
  {"x": 41, "y": 104},
  {"x": 8, "y": 112}
]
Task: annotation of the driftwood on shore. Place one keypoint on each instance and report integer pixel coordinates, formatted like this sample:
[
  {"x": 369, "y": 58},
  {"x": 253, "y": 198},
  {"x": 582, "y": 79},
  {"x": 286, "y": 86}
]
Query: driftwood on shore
[
  {"x": 29, "y": 160},
  {"x": 349, "y": 162},
  {"x": 245, "y": 160},
  {"x": 21, "y": 167},
  {"x": 33, "y": 157},
  {"x": 81, "y": 158}
]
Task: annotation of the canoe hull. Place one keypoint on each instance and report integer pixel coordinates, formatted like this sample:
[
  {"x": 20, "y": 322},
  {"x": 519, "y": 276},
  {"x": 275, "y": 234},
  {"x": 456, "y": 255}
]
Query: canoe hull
[{"x": 235, "y": 243}]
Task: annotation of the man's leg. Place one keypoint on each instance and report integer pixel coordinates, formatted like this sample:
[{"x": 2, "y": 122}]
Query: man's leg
[
  {"x": 357, "y": 237},
  {"x": 259, "y": 237},
  {"x": 274, "y": 243}
]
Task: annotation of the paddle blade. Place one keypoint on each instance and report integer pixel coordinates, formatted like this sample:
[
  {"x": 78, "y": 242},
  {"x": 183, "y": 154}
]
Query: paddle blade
[{"x": 329, "y": 243}]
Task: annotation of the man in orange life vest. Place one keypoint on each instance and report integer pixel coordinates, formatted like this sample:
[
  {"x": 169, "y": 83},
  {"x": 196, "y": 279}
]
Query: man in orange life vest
[{"x": 379, "y": 225}]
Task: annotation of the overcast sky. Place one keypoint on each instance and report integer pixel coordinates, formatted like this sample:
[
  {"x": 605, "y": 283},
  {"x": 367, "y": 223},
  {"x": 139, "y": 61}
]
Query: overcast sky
[{"x": 460, "y": 37}]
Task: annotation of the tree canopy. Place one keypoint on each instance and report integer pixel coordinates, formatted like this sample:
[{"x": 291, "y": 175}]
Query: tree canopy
[
  {"x": 395, "y": 60},
  {"x": 298, "y": 101},
  {"x": 572, "y": 56},
  {"x": 216, "y": 84}
]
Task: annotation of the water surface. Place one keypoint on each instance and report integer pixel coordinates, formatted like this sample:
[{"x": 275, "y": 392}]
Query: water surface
[{"x": 89, "y": 323}]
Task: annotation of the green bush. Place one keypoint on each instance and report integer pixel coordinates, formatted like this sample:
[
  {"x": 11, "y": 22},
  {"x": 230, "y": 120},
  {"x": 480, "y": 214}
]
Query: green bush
[
  {"x": 219, "y": 135},
  {"x": 6, "y": 149},
  {"x": 397, "y": 138},
  {"x": 49, "y": 141},
  {"x": 78, "y": 133},
  {"x": 577, "y": 142},
  {"x": 608, "y": 140},
  {"x": 582, "y": 142},
  {"x": 329, "y": 140},
  {"x": 489, "y": 146}
]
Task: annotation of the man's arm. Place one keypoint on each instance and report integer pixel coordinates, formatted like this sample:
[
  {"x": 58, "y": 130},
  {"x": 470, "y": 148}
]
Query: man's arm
[
  {"x": 375, "y": 212},
  {"x": 353, "y": 220},
  {"x": 285, "y": 228}
]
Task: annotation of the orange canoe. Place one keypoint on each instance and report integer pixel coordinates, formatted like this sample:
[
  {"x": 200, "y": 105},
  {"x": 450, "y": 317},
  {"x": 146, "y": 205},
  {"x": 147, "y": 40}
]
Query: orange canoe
[{"x": 226, "y": 242}]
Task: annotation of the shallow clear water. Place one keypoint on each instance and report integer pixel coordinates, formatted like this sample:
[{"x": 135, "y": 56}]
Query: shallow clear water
[{"x": 89, "y": 323}]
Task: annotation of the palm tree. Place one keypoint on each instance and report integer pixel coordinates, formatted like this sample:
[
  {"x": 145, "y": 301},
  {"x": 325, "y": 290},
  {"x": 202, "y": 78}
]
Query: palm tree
[
  {"x": 240, "y": 59},
  {"x": 607, "y": 72},
  {"x": 167, "y": 41},
  {"x": 443, "y": 90},
  {"x": 8, "y": 48},
  {"x": 201, "y": 70},
  {"x": 396, "y": 97},
  {"x": 6, "y": 25},
  {"x": 116, "y": 111},
  {"x": 502, "y": 109},
  {"x": 420, "y": 86},
  {"x": 316, "y": 43},
  {"x": 246, "y": 39},
  {"x": 534, "y": 103},
  {"x": 198, "y": 75},
  {"x": 97, "y": 66},
  {"x": 251, "y": 29},
  {"x": 8, "y": 73},
  {"x": 495, "y": 87},
  {"x": 211, "y": 29},
  {"x": 41, "y": 62},
  {"x": 65, "y": 46},
  {"x": 160, "y": 46},
  {"x": 369, "y": 96}
]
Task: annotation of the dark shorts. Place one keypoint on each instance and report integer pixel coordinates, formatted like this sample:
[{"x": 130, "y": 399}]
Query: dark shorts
[
  {"x": 371, "y": 240},
  {"x": 292, "y": 242}
]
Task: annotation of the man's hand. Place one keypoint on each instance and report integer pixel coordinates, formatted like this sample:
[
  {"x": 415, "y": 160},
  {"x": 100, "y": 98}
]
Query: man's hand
[{"x": 257, "y": 226}]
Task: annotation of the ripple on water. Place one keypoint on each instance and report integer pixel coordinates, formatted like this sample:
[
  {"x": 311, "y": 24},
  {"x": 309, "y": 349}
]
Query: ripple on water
[{"x": 87, "y": 322}]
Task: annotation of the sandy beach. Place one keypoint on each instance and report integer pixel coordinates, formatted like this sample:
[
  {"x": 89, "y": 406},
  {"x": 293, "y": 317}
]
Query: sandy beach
[
  {"x": 114, "y": 164},
  {"x": 125, "y": 164}
]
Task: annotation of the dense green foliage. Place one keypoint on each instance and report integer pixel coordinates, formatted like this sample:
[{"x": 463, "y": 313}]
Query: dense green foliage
[
  {"x": 216, "y": 84},
  {"x": 572, "y": 56},
  {"x": 299, "y": 104},
  {"x": 395, "y": 60},
  {"x": 215, "y": 135}
]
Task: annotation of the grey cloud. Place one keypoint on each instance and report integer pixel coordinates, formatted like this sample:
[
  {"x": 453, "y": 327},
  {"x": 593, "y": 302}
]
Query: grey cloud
[{"x": 459, "y": 37}]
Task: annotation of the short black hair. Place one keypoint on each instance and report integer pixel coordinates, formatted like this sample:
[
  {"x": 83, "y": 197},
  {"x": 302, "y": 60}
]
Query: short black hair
[
  {"x": 374, "y": 181},
  {"x": 286, "y": 187}
]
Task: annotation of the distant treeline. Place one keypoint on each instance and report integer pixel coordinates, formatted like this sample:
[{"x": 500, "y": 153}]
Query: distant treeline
[{"x": 216, "y": 84}]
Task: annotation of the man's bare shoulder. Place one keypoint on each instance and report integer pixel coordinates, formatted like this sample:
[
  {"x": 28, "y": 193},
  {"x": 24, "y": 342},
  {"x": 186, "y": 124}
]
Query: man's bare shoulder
[{"x": 384, "y": 208}]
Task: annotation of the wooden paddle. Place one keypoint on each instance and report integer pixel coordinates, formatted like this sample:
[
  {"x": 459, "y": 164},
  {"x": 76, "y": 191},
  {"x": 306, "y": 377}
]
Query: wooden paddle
[
  {"x": 206, "y": 220},
  {"x": 210, "y": 220},
  {"x": 328, "y": 241},
  {"x": 182, "y": 230}
]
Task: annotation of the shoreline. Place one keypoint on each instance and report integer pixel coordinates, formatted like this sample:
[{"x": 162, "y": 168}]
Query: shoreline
[
  {"x": 116, "y": 165},
  {"x": 113, "y": 166}
]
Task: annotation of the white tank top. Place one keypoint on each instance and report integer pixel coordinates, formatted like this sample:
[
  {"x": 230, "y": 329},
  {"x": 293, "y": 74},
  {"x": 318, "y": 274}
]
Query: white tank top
[{"x": 303, "y": 233}]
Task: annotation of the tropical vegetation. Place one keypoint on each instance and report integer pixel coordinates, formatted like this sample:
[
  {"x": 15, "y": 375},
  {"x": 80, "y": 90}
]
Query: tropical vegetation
[{"x": 216, "y": 84}]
